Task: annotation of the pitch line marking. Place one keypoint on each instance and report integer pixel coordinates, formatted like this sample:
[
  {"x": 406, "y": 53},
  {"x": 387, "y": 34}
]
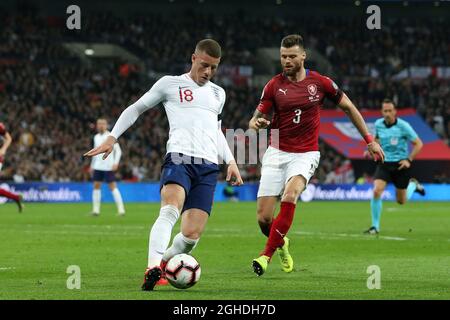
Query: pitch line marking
[
  {"x": 7, "y": 268},
  {"x": 350, "y": 235}
]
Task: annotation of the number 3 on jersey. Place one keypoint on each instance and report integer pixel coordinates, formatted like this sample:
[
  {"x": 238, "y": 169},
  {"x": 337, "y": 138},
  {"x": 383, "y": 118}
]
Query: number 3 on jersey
[
  {"x": 186, "y": 95},
  {"x": 297, "y": 117}
]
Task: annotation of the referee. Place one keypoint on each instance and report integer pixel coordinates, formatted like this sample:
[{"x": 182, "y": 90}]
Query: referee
[{"x": 393, "y": 134}]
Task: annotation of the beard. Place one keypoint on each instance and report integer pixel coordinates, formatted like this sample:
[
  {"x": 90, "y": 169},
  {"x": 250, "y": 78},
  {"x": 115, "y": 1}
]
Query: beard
[{"x": 292, "y": 71}]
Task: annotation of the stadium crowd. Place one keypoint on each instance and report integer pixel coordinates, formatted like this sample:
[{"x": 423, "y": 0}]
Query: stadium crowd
[{"x": 50, "y": 99}]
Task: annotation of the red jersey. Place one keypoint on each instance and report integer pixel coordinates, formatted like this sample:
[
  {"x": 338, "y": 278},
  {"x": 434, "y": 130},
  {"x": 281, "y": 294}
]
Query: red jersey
[{"x": 296, "y": 109}]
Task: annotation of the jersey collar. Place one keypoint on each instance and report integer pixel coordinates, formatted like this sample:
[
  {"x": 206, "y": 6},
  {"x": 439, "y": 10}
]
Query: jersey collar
[
  {"x": 286, "y": 78},
  {"x": 192, "y": 80},
  {"x": 390, "y": 125}
]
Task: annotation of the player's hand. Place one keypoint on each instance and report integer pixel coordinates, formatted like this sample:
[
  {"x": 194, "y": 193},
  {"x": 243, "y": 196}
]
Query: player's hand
[
  {"x": 106, "y": 148},
  {"x": 376, "y": 151},
  {"x": 115, "y": 167},
  {"x": 2, "y": 153},
  {"x": 262, "y": 123},
  {"x": 404, "y": 164},
  {"x": 234, "y": 175}
]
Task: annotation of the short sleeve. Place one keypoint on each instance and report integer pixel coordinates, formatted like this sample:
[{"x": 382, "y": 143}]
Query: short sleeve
[
  {"x": 331, "y": 89},
  {"x": 409, "y": 131},
  {"x": 267, "y": 98}
]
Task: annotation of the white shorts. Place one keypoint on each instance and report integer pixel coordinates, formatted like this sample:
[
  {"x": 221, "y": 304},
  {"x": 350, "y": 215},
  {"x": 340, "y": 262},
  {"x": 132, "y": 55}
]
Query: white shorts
[{"x": 279, "y": 166}]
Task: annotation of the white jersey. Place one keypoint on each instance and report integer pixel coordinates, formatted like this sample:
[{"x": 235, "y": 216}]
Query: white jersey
[
  {"x": 105, "y": 165},
  {"x": 193, "y": 112}
]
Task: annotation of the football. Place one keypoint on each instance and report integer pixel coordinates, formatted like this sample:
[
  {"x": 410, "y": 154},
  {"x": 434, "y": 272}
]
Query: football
[
  {"x": 183, "y": 271},
  {"x": 2, "y": 129}
]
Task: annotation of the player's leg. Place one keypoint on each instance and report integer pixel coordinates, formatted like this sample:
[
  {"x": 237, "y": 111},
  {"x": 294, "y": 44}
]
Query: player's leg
[
  {"x": 175, "y": 184},
  {"x": 281, "y": 224},
  {"x": 376, "y": 205},
  {"x": 17, "y": 198},
  {"x": 414, "y": 186},
  {"x": 283, "y": 221},
  {"x": 97, "y": 193},
  {"x": 382, "y": 175},
  {"x": 299, "y": 170},
  {"x": 172, "y": 199},
  {"x": 196, "y": 211},
  {"x": 265, "y": 210},
  {"x": 270, "y": 186},
  {"x": 401, "y": 196},
  {"x": 406, "y": 186},
  {"x": 193, "y": 222},
  {"x": 116, "y": 194}
]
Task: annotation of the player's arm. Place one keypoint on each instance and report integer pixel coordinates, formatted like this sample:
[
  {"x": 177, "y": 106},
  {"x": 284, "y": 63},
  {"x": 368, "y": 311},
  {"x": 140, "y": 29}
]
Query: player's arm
[
  {"x": 355, "y": 116},
  {"x": 93, "y": 159},
  {"x": 377, "y": 139},
  {"x": 129, "y": 116},
  {"x": 225, "y": 153},
  {"x": 227, "y": 156},
  {"x": 6, "y": 143},
  {"x": 117, "y": 153},
  {"x": 417, "y": 146},
  {"x": 260, "y": 119}
]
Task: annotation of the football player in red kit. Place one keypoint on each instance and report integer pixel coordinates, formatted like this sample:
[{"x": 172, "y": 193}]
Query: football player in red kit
[
  {"x": 6, "y": 138},
  {"x": 294, "y": 97}
]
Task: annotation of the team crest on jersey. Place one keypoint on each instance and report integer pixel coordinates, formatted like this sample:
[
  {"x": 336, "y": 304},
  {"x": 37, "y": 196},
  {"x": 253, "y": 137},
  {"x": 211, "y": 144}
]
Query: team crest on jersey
[
  {"x": 216, "y": 93},
  {"x": 394, "y": 141},
  {"x": 312, "y": 89}
]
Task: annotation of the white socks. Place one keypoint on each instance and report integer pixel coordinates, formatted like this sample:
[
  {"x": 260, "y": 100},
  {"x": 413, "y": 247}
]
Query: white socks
[
  {"x": 96, "y": 197},
  {"x": 160, "y": 234},
  {"x": 180, "y": 244},
  {"x": 118, "y": 201}
]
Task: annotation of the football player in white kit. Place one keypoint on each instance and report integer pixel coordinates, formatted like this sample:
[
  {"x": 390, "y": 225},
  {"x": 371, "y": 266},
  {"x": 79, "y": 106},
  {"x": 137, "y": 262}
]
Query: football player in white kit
[
  {"x": 103, "y": 170},
  {"x": 189, "y": 174}
]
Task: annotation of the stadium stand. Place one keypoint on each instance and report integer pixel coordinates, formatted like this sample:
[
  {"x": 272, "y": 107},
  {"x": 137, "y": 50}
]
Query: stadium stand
[{"x": 50, "y": 98}]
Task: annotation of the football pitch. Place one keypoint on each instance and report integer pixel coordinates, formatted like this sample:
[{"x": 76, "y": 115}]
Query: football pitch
[{"x": 330, "y": 252}]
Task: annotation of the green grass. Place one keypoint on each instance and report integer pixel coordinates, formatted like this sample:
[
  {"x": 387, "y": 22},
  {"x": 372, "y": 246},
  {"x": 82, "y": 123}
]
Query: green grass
[{"x": 331, "y": 254}]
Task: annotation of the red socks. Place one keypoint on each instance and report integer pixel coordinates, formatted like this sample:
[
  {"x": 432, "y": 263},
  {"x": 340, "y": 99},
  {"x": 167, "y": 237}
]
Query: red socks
[
  {"x": 280, "y": 227},
  {"x": 9, "y": 195}
]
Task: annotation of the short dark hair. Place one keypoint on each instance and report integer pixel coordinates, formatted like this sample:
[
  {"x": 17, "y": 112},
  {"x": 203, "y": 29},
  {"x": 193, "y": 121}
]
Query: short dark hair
[
  {"x": 387, "y": 100},
  {"x": 210, "y": 47},
  {"x": 292, "y": 40}
]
